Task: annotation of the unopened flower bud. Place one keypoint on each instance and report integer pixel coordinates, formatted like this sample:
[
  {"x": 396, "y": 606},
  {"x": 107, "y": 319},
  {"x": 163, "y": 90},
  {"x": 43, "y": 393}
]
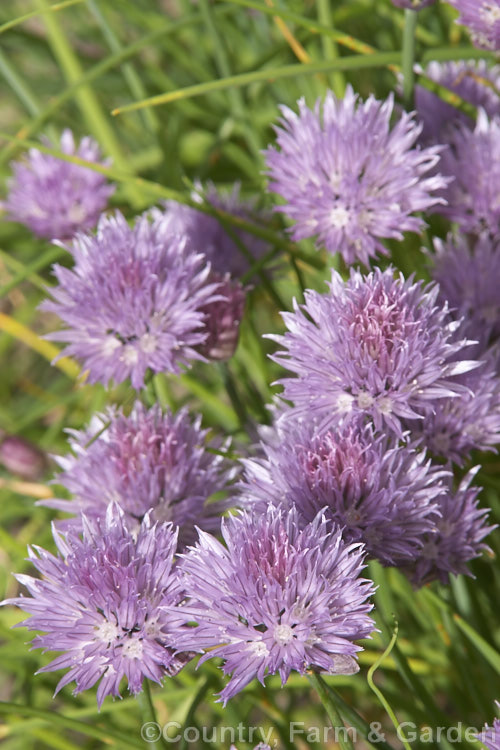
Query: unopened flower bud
[
  {"x": 223, "y": 318},
  {"x": 21, "y": 457}
]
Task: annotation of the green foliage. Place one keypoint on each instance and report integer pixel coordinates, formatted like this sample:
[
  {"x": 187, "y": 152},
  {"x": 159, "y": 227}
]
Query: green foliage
[{"x": 174, "y": 91}]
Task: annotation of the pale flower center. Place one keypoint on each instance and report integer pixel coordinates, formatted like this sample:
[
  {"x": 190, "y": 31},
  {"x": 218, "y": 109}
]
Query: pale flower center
[
  {"x": 149, "y": 343},
  {"x": 107, "y": 631},
  {"x": 344, "y": 403},
  {"x": 110, "y": 345},
  {"x": 132, "y": 649},
  {"x": 77, "y": 213},
  {"x": 259, "y": 648},
  {"x": 130, "y": 355},
  {"x": 365, "y": 401},
  {"x": 283, "y": 634},
  {"x": 490, "y": 13},
  {"x": 339, "y": 217},
  {"x": 442, "y": 443}
]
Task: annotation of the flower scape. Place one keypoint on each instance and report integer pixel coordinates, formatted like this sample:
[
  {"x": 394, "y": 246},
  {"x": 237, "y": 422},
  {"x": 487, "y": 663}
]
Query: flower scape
[{"x": 266, "y": 455}]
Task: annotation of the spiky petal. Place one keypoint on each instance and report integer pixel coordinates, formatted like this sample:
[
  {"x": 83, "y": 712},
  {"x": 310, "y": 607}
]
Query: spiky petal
[
  {"x": 347, "y": 179},
  {"x": 276, "y": 599},
  {"x": 468, "y": 272},
  {"x": 379, "y": 492},
  {"x": 472, "y": 159},
  {"x": 56, "y": 198},
  {"x": 375, "y": 346},
  {"x": 459, "y": 538},
  {"x": 490, "y": 736},
  {"x": 482, "y": 18},
  {"x": 453, "y": 427},
  {"x": 473, "y": 80},
  {"x": 147, "y": 462},
  {"x": 133, "y": 300},
  {"x": 103, "y": 601}
]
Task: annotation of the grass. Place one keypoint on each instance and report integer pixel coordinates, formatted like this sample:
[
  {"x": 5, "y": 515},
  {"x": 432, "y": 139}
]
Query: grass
[{"x": 174, "y": 91}]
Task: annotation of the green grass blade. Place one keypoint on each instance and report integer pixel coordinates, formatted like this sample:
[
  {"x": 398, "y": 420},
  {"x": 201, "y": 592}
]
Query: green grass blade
[
  {"x": 97, "y": 71},
  {"x": 490, "y": 654},
  {"x": 19, "y": 86},
  {"x": 91, "y": 110},
  {"x": 20, "y": 269},
  {"x": 220, "y": 411},
  {"x": 129, "y": 73},
  {"x": 26, "y": 272},
  {"x": 379, "y": 693},
  {"x": 26, "y": 17},
  {"x": 339, "y": 37},
  {"x": 107, "y": 736},
  {"x": 329, "y": 46},
  {"x": 353, "y": 62}
]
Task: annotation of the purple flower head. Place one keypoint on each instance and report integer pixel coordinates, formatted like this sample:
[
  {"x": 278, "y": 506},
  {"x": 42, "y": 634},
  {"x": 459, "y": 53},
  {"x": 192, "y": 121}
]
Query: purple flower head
[
  {"x": 375, "y": 346},
  {"x": 132, "y": 301},
  {"x": 378, "y": 492},
  {"x": 103, "y": 601},
  {"x": 55, "y": 198},
  {"x": 223, "y": 318},
  {"x": 458, "y": 538},
  {"x": 148, "y": 462},
  {"x": 473, "y": 160},
  {"x": 473, "y": 80},
  {"x": 278, "y": 599},
  {"x": 482, "y": 17},
  {"x": 453, "y": 427},
  {"x": 347, "y": 178},
  {"x": 490, "y": 736},
  {"x": 413, "y": 4},
  {"x": 468, "y": 272},
  {"x": 207, "y": 235}
]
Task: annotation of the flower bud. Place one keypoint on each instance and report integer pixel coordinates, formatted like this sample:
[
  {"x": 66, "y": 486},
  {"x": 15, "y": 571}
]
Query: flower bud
[
  {"x": 21, "y": 457},
  {"x": 223, "y": 318}
]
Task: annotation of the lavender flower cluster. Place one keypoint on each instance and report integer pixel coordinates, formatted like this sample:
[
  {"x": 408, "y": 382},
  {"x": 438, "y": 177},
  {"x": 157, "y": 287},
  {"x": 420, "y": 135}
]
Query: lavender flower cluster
[{"x": 391, "y": 384}]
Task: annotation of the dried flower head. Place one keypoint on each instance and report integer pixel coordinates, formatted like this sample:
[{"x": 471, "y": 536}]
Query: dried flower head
[
  {"x": 347, "y": 178},
  {"x": 148, "y": 462},
  {"x": 103, "y": 601},
  {"x": 133, "y": 300},
  {"x": 278, "y": 598},
  {"x": 375, "y": 346},
  {"x": 56, "y": 198}
]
